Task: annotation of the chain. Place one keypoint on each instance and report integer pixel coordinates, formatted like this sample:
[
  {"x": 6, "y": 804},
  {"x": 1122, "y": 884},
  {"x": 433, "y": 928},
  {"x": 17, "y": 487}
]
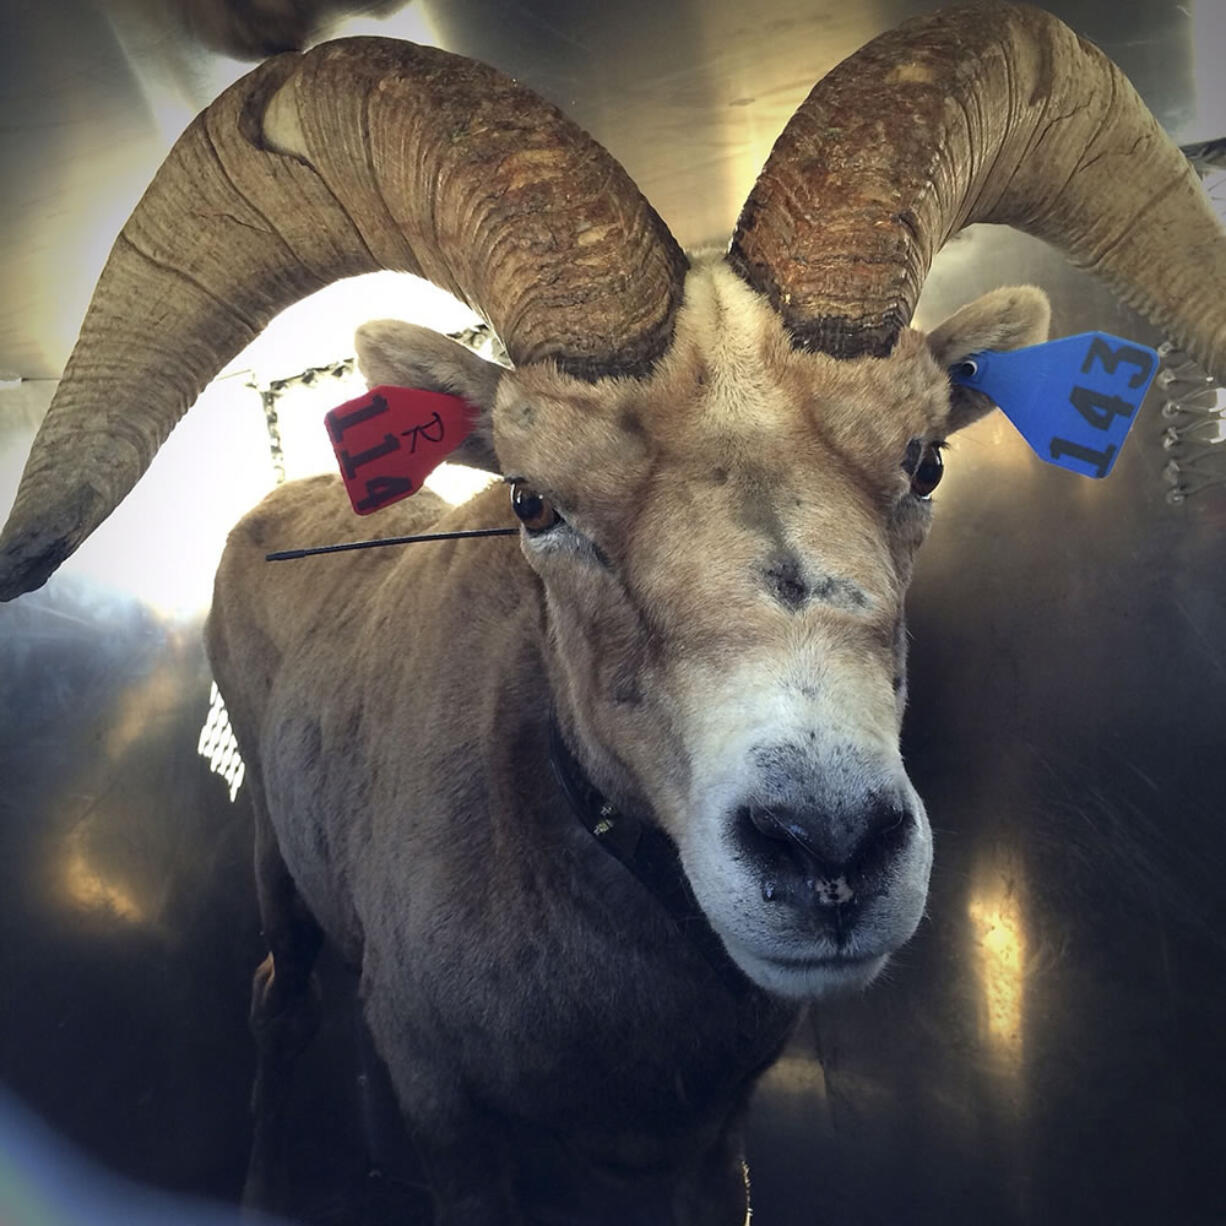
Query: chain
[
  {"x": 1195, "y": 417},
  {"x": 270, "y": 395},
  {"x": 479, "y": 338},
  {"x": 1194, "y": 410}
]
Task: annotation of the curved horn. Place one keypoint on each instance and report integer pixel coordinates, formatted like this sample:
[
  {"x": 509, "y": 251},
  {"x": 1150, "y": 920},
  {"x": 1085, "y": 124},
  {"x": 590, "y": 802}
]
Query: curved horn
[
  {"x": 363, "y": 153},
  {"x": 986, "y": 112}
]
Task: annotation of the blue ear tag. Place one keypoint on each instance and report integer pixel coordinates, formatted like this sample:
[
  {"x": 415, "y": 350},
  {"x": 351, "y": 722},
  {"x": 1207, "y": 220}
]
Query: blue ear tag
[{"x": 1073, "y": 400}]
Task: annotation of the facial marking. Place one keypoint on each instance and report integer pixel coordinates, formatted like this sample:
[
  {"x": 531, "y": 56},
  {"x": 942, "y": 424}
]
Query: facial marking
[
  {"x": 840, "y": 594},
  {"x": 756, "y": 511},
  {"x": 785, "y": 578},
  {"x": 787, "y": 582},
  {"x": 631, "y": 423},
  {"x": 726, "y": 612}
]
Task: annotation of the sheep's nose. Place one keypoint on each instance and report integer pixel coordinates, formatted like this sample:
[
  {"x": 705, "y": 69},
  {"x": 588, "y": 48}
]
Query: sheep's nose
[{"x": 817, "y": 848}]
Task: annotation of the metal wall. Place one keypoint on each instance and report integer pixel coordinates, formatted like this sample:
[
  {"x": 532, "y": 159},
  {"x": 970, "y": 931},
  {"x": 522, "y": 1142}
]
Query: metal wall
[{"x": 1047, "y": 1049}]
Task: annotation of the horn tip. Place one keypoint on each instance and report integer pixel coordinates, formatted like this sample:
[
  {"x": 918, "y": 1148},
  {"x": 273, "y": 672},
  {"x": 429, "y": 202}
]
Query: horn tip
[
  {"x": 21, "y": 575},
  {"x": 29, "y": 558}
]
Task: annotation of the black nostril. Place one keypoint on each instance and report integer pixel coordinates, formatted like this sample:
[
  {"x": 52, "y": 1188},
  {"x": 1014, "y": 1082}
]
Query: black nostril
[
  {"x": 827, "y": 846},
  {"x": 886, "y": 827},
  {"x": 785, "y": 832},
  {"x": 883, "y": 818}
]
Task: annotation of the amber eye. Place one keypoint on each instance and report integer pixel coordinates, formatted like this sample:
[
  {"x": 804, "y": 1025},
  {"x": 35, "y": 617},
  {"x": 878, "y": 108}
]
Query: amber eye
[
  {"x": 924, "y": 464},
  {"x": 535, "y": 511}
]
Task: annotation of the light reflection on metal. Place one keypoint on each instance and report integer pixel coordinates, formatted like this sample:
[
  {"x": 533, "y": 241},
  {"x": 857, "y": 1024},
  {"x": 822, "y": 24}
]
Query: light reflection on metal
[
  {"x": 1206, "y": 118},
  {"x": 176, "y": 76},
  {"x": 147, "y": 703},
  {"x": 745, "y": 108},
  {"x": 999, "y": 939},
  {"x": 413, "y": 21},
  {"x": 86, "y": 887},
  {"x": 218, "y": 746},
  {"x": 797, "y": 1074}
]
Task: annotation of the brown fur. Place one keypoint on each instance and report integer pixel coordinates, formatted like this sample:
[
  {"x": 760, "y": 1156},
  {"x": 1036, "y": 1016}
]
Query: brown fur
[{"x": 528, "y": 996}]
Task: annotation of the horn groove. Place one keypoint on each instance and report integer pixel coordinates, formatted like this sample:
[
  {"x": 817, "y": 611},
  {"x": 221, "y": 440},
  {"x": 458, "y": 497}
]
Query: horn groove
[
  {"x": 985, "y": 112},
  {"x": 363, "y": 153}
]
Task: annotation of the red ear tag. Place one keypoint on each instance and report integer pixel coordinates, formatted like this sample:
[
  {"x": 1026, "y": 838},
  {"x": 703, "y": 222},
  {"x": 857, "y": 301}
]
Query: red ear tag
[{"x": 390, "y": 440}]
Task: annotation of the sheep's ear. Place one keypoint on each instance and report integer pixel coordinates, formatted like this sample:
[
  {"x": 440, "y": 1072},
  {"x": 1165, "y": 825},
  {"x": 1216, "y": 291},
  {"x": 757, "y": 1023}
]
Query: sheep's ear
[
  {"x": 405, "y": 355},
  {"x": 1009, "y": 318}
]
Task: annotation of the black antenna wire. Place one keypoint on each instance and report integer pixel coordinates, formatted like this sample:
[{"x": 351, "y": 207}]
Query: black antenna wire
[{"x": 288, "y": 555}]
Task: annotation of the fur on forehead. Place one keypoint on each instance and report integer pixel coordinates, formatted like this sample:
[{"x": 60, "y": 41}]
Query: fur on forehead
[{"x": 732, "y": 377}]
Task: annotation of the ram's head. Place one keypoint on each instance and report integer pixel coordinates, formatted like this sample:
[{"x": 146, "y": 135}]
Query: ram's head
[{"x": 722, "y": 467}]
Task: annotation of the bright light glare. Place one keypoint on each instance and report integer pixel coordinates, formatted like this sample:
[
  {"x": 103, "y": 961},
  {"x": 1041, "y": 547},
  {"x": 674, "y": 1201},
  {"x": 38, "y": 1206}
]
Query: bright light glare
[
  {"x": 163, "y": 543},
  {"x": 412, "y": 21},
  {"x": 457, "y": 484},
  {"x": 218, "y": 746},
  {"x": 87, "y": 888},
  {"x": 1000, "y": 945},
  {"x": 321, "y": 326}
]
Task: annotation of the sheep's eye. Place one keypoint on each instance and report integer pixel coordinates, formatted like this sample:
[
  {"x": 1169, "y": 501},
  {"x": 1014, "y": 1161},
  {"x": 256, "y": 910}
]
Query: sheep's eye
[
  {"x": 535, "y": 511},
  {"x": 924, "y": 465}
]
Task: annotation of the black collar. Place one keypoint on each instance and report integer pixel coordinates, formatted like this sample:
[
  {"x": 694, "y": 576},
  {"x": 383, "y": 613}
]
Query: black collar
[{"x": 648, "y": 853}]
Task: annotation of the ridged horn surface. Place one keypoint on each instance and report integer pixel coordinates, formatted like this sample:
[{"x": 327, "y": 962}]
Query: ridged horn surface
[
  {"x": 362, "y": 154},
  {"x": 985, "y": 112}
]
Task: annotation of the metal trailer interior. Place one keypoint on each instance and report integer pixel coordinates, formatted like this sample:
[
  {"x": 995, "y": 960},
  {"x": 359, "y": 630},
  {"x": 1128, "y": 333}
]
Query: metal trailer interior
[{"x": 1048, "y": 1048}]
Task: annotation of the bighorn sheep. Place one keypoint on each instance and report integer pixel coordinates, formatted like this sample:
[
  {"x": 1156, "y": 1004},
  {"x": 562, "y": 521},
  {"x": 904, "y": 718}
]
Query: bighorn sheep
[{"x": 721, "y": 469}]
